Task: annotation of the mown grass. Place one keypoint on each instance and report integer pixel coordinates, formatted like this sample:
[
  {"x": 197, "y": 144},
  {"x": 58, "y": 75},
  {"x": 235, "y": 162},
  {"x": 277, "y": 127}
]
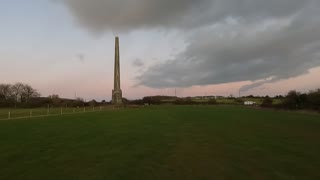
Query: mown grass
[{"x": 163, "y": 142}]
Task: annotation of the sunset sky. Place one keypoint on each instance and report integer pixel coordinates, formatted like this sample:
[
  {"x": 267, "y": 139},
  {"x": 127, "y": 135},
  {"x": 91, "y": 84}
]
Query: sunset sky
[{"x": 198, "y": 47}]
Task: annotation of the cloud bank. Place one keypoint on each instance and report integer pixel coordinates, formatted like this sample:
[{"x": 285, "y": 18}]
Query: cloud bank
[
  {"x": 127, "y": 15},
  {"x": 228, "y": 40}
]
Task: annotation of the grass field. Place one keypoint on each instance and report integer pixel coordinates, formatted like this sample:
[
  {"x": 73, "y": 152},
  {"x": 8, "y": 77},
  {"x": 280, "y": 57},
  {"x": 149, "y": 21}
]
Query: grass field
[{"x": 164, "y": 142}]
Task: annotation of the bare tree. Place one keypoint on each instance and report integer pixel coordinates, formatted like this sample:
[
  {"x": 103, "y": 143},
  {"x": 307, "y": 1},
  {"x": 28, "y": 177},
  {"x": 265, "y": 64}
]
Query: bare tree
[
  {"x": 79, "y": 102},
  {"x": 28, "y": 92},
  {"x": 54, "y": 96},
  {"x": 93, "y": 103},
  {"x": 55, "y": 99},
  {"x": 5, "y": 92},
  {"x": 17, "y": 92}
]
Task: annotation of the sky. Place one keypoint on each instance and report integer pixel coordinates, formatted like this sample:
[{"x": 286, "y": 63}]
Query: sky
[{"x": 193, "y": 48}]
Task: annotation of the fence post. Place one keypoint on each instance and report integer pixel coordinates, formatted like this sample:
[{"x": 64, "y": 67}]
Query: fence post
[
  {"x": 84, "y": 109},
  {"x": 100, "y": 108},
  {"x": 93, "y": 108},
  {"x": 9, "y": 115},
  {"x": 73, "y": 110},
  {"x": 48, "y": 110},
  {"x": 30, "y": 113},
  {"x": 61, "y": 111}
]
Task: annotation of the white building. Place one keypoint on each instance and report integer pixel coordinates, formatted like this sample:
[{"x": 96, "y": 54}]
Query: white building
[{"x": 249, "y": 103}]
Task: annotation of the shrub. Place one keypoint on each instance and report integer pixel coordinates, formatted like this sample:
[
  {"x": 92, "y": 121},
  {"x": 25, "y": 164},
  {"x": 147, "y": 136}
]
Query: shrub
[
  {"x": 212, "y": 102},
  {"x": 267, "y": 102}
]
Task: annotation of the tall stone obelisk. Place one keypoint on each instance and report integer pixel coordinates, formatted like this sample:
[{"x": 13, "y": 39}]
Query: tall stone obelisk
[{"x": 116, "y": 92}]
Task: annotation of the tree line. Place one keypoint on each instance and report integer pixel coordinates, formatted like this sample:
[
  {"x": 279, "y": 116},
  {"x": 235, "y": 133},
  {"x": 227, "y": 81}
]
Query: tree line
[
  {"x": 21, "y": 95},
  {"x": 24, "y": 95},
  {"x": 16, "y": 94},
  {"x": 295, "y": 100}
]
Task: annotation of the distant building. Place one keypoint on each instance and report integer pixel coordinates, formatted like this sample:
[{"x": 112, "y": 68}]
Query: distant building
[{"x": 249, "y": 103}]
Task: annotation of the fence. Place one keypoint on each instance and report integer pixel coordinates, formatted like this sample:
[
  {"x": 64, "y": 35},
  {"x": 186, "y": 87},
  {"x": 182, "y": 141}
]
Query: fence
[{"x": 7, "y": 114}]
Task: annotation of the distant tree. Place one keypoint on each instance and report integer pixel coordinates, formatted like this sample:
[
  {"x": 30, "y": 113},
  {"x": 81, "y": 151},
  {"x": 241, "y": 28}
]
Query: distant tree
[
  {"x": 137, "y": 102},
  {"x": 212, "y": 102},
  {"x": 6, "y": 96},
  {"x": 151, "y": 100},
  {"x": 188, "y": 101},
  {"x": 17, "y": 94},
  {"x": 54, "y": 96},
  {"x": 185, "y": 101},
  {"x": 303, "y": 101},
  {"x": 79, "y": 102},
  {"x": 267, "y": 102},
  {"x": 279, "y": 97},
  {"x": 28, "y": 92},
  {"x": 179, "y": 101},
  {"x": 93, "y": 103},
  {"x": 125, "y": 101},
  {"x": 17, "y": 90},
  {"x": 313, "y": 99},
  {"x": 292, "y": 100},
  {"x": 239, "y": 101},
  {"x": 55, "y": 99}
]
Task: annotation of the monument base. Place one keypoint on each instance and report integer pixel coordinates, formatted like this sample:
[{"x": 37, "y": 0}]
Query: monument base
[{"x": 117, "y": 97}]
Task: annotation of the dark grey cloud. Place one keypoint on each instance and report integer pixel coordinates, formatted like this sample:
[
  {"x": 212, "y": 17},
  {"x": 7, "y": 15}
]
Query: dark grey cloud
[
  {"x": 278, "y": 48},
  {"x": 228, "y": 40},
  {"x": 257, "y": 84},
  {"x": 138, "y": 63},
  {"x": 127, "y": 15},
  {"x": 81, "y": 57}
]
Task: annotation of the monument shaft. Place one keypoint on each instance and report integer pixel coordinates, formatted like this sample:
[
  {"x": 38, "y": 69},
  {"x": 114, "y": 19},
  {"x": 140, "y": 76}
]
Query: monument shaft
[{"x": 116, "y": 92}]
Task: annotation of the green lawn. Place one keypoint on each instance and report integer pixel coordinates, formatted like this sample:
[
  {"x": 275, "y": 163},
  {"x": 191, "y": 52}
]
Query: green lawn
[{"x": 162, "y": 143}]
